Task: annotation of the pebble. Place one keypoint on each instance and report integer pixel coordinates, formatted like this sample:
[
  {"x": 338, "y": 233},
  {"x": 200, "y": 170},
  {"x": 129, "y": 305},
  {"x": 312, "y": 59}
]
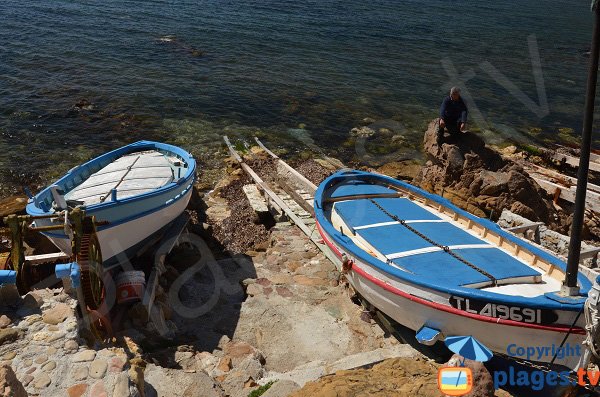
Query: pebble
[
  {"x": 33, "y": 319},
  {"x": 41, "y": 359},
  {"x": 77, "y": 390},
  {"x": 71, "y": 345},
  {"x": 49, "y": 366},
  {"x": 31, "y": 370},
  {"x": 9, "y": 356},
  {"x": 27, "y": 363},
  {"x": 121, "y": 386},
  {"x": 83, "y": 356},
  {"x": 116, "y": 365},
  {"x": 57, "y": 314},
  {"x": 80, "y": 373},
  {"x": 27, "y": 380},
  {"x": 41, "y": 336},
  {"x": 4, "y": 321},
  {"x": 71, "y": 326},
  {"x": 42, "y": 381},
  {"x": 51, "y": 350},
  {"x": 98, "y": 369},
  {"x": 98, "y": 390},
  {"x": 56, "y": 336}
]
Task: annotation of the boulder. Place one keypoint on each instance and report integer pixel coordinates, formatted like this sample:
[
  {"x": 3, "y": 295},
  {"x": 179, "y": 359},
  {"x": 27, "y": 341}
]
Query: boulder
[{"x": 478, "y": 179}]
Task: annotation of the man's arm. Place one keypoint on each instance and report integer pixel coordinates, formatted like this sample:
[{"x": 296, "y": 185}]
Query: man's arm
[
  {"x": 443, "y": 108},
  {"x": 463, "y": 114}
]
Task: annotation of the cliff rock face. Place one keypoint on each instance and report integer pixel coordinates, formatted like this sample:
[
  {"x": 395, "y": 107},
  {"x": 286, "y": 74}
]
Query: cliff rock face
[{"x": 478, "y": 179}]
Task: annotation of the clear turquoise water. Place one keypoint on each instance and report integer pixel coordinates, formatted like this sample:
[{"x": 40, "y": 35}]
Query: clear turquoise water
[{"x": 269, "y": 67}]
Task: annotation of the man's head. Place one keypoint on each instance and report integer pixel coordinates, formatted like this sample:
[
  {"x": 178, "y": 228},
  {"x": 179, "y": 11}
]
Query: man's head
[{"x": 455, "y": 93}]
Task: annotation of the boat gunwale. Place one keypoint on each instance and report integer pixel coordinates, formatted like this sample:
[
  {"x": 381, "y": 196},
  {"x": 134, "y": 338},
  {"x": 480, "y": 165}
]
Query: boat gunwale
[{"x": 540, "y": 301}]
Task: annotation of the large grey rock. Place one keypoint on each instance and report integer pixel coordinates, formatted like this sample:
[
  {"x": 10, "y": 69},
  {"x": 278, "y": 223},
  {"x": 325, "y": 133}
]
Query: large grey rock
[{"x": 175, "y": 383}]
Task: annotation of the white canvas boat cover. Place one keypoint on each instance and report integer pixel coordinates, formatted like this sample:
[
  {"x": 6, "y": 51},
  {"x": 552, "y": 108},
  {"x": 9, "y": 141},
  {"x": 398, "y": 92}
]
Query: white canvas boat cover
[{"x": 129, "y": 175}]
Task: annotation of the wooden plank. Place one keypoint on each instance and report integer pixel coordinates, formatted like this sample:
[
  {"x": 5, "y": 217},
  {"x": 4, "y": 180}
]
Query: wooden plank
[
  {"x": 574, "y": 161},
  {"x": 523, "y": 228},
  {"x": 257, "y": 202},
  {"x": 568, "y": 194},
  {"x": 297, "y": 198},
  {"x": 556, "y": 177},
  {"x": 301, "y": 179},
  {"x": 589, "y": 253},
  {"x": 233, "y": 152},
  {"x": 46, "y": 258}
]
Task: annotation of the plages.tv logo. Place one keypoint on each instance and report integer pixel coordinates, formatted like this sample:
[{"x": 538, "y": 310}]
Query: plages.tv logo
[
  {"x": 458, "y": 381},
  {"x": 455, "y": 381}
]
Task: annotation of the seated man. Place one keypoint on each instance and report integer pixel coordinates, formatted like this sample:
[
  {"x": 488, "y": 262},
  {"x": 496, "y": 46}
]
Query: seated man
[{"x": 453, "y": 114}]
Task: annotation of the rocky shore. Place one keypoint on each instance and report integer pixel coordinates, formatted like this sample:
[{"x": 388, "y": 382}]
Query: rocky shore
[{"x": 260, "y": 308}]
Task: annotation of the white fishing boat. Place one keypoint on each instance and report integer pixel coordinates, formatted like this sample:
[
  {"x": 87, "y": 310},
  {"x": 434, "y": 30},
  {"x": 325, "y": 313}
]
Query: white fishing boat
[
  {"x": 134, "y": 192},
  {"x": 443, "y": 272}
]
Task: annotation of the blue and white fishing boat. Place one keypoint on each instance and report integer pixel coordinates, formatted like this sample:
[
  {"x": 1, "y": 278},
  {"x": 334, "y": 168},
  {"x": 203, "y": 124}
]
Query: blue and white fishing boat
[
  {"x": 136, "y": 190},
  {"x": 443, "y": 272}
]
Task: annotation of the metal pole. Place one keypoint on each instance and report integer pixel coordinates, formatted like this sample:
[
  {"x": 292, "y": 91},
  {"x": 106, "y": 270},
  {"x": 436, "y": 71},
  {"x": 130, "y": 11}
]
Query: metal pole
[{"x": 570, "y": 287}]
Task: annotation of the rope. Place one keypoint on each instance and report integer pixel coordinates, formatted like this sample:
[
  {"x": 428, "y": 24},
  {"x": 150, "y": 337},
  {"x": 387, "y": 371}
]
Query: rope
[
  {"x": 567, "y": 336},
  {"x": 445, "y": 248}
]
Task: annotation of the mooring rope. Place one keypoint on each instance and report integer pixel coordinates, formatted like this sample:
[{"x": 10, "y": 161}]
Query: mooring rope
[{"x": 445, "y": 248}]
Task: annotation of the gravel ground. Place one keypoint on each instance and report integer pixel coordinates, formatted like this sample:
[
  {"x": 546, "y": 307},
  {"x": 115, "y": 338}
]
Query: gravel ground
[
  {"x": 243, "y": 230},
  {"x": 313, "y": 171}
]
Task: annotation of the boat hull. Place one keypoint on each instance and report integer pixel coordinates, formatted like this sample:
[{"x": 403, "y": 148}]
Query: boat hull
[
  {"x": 122, "y": 239},
  {"x": 125, "y": 221},
  {"x": 414, "y": 307}
]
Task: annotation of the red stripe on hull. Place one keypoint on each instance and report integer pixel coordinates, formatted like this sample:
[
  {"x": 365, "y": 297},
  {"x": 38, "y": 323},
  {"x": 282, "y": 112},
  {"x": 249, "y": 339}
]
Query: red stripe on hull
[{"x": 444, "y": 308}]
